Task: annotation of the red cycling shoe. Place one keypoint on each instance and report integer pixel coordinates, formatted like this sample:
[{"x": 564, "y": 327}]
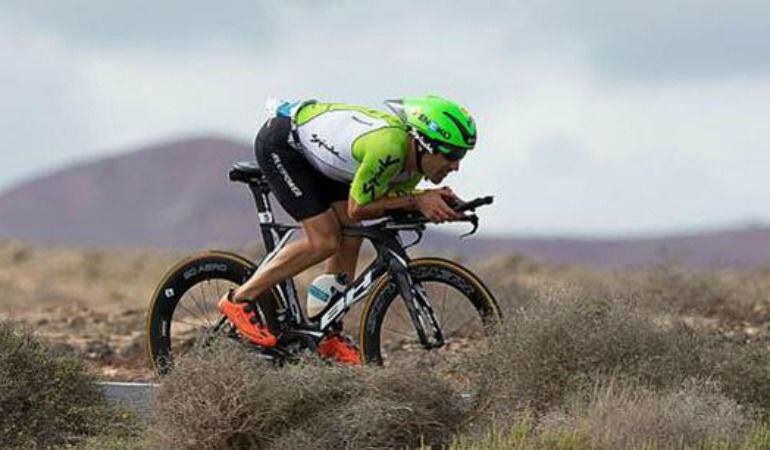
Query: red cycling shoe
[
  {"x": 244, "y": 317},
  {"x": 340, "y": 349}
]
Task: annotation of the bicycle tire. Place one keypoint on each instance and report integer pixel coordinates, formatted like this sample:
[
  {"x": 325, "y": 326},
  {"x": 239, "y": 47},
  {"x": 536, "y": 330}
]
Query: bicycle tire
[
  {"x": 183, "y": 278},
  {"x": 471, "y": 294}
]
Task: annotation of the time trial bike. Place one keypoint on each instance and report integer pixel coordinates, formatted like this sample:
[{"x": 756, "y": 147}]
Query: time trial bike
[{"x": 408, "y": 304}]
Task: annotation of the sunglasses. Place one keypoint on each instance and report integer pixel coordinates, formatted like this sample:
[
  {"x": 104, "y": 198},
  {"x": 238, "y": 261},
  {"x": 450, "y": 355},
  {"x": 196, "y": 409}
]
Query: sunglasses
[{"x": 451, "y": 152}]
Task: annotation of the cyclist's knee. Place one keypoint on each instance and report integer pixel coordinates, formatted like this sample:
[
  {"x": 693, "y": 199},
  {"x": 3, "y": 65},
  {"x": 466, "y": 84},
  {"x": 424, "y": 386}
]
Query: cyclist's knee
[
  {"x": 350, "y": 243},
  {"x": 326, "y": 245},
  {"x": 323, "y": 234}
]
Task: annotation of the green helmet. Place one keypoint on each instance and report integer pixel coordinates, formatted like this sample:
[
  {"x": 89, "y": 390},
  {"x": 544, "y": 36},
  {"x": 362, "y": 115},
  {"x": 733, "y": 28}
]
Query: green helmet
[{"x": 437, "y": 123}]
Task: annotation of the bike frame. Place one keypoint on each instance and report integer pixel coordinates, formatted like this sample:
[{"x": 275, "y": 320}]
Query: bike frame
[{"x": 391, "y": 257}]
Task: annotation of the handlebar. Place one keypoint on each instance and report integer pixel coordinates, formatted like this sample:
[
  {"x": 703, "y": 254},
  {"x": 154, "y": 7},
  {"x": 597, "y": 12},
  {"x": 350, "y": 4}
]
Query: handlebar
[
  {"x": 405, "y": 219},
  {"x": 410, "y": 220},
  {"x": 473, "y": 204},
  {"x": 412, "y": 216}
]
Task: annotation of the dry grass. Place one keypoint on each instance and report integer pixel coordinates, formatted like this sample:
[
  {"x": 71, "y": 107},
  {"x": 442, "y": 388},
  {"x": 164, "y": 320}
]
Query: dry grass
[
  {"x": 569, "y": 330},
  {"x": 524, "y": 435},
  {"x": 612, "y": 415},
  {"x": 92, "y": 301},
  {"x": 545, "y": 374},
  {"x": 36, "y": 277},
  {"x": 228, "y": 399},
  {"x": 563, "y": 341},
  {"x": 730, "y": 296},
  {"x": 551, "y": 361}
]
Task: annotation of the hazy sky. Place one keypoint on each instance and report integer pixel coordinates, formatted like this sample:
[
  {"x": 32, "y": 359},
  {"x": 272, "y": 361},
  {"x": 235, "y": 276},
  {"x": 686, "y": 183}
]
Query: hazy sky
[{"x": 594, "y": 116}]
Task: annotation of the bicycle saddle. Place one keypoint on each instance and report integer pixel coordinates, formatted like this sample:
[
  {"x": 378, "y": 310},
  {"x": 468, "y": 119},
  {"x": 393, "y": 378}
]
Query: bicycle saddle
[{"x": 245, "y": 171}]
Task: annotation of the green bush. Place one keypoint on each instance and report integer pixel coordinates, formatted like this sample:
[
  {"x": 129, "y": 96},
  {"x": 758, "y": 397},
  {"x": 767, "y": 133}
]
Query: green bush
[{"x": 45, "y": 399}]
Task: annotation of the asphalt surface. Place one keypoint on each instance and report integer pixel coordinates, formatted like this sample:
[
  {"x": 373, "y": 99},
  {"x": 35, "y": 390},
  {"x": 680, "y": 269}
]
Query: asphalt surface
[
  {"x": 133, "y": 396},
  {"x": 138, "y": 396}
]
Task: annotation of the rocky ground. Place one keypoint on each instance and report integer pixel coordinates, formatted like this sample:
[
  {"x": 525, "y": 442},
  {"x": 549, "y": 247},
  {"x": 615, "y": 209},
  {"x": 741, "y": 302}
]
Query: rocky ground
[
  {"x": 89, "y": 302},
  {"x": 92, "y": 302}
]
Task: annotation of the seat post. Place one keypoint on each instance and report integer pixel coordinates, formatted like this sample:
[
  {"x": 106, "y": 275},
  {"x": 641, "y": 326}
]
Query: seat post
[
  {"x": 264, "y": 214},
  {"x": 272, "y": 233},
  {"x": 249, "y": 172}
]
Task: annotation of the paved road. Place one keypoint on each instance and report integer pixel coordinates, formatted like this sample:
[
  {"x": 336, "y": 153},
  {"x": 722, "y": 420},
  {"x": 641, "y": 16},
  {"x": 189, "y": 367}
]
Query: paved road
[
  {"x": 133, "y": 396},
  {"x": 138, "y": 396}
]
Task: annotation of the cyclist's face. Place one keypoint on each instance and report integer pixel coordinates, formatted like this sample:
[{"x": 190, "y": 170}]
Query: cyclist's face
[{"x": 439, "y": 166}]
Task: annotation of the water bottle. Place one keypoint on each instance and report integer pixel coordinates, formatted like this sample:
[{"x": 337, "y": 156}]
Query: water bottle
[{"x": 321, "y": 290}]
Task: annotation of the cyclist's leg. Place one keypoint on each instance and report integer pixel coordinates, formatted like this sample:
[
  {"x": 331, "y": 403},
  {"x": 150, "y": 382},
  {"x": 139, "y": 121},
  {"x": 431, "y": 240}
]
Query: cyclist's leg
[
  {"x": 336, "y": 346},
  {"x": 346, "y": 259},
  {"x": 300, "y": 189},
  {"x": 321, "y": 240}
]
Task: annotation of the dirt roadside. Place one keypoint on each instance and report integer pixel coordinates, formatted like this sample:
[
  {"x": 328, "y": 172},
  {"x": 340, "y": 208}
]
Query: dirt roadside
[{"x": 91, "y": 302}]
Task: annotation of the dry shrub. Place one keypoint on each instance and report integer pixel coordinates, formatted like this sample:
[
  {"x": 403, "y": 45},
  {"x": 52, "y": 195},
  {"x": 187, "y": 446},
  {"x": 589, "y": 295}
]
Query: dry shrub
[
  {"x": 46, "y": 399},
  {"x": 616, "y": 416},
  {"x": 725, "y": 295},
  {"x": 512, "y": 277},
  {"x": 564, "y": 341},
  {"x": 227, "y": 398},
  {"x": 743, "y": 371},
  {"x": 558, "y": 343}
]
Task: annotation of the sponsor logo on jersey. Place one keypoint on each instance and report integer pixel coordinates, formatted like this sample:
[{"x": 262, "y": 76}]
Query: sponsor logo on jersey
[
  {"x": 370, "y": 186},
  {"x": 324, "y": 145}
]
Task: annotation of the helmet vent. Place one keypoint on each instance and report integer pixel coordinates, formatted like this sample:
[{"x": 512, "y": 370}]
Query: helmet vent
[{"x": 468, "y": 138}]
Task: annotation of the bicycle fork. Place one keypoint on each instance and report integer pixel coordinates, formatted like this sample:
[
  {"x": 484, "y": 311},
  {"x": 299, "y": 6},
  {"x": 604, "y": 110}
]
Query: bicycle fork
[{"x": 420, "y": 311}]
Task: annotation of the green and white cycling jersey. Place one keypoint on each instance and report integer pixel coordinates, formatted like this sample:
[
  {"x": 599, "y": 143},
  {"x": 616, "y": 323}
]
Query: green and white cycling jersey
[{"x": 356, "y": 145}]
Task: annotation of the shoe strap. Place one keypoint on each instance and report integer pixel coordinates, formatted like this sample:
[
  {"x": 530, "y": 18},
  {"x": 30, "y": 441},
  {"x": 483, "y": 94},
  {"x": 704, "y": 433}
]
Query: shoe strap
[{"x": 231, "y": 297}]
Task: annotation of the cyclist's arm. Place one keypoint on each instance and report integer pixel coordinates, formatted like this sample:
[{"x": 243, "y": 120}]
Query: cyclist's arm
[
  {"x": 431, "y": 202},
  {"x": 379, "y": 207},
  {"x": 382, "y": 159},
  {"x": 393, "y": 199}
]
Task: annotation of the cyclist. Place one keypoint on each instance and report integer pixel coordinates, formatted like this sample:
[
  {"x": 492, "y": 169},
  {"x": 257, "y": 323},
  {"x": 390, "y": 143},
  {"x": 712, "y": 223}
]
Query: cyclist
[{"x": 332, "y": 164}]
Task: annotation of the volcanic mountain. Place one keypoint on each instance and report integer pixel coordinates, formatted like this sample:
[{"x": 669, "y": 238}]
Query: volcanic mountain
[
  {"x": 174, "y": 194},
  {"x": 177, "y": 195}
]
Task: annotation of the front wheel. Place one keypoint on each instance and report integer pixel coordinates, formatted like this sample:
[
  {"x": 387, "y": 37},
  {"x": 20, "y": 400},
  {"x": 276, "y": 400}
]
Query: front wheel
[{"x": 463, "y": 306}]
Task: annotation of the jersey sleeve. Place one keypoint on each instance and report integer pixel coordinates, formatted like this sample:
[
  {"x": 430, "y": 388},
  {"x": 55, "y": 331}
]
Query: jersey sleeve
[
  {"x": 382, "y": 155},
  {"x": 406, "y": 187}
]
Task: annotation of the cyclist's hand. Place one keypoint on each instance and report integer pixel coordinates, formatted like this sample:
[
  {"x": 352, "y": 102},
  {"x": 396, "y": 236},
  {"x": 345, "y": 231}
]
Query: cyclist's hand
[
  {"x": 432, "y": 205},
  {"x": 451, "y": 199}
]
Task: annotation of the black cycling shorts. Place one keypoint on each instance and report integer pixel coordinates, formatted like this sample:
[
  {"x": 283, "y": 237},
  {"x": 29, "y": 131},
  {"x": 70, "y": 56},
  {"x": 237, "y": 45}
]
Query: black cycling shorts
[{"x": 300, "y": 188}]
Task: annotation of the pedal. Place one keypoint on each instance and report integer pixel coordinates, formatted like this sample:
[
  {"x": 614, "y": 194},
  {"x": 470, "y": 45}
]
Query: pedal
[{"x": 261, "y": 352}]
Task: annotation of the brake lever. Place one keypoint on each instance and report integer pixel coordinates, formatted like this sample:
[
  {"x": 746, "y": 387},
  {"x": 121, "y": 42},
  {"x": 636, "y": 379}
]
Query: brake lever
[
  {"x": 474, "y": 220},
  {"x": 418, "y": 237}
]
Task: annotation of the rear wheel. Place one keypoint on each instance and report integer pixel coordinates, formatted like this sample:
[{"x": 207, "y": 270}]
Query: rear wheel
[
  {"x": 183, "y": 311},
  {"x": 463, "y": 306}
]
